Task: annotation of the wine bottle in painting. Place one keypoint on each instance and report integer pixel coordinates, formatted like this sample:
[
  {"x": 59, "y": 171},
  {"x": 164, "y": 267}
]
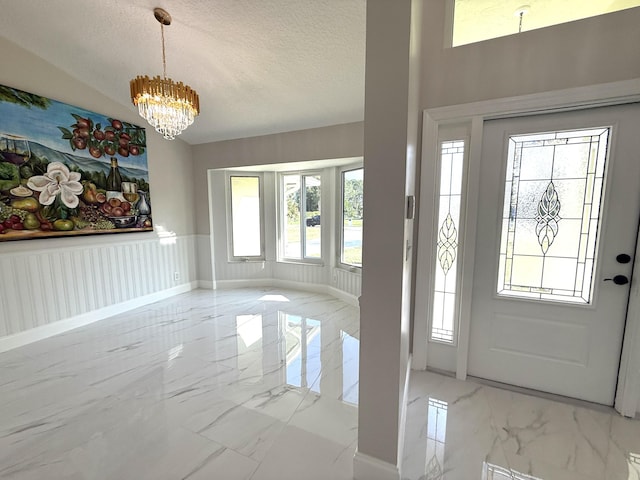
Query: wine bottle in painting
[{"x": 114, "y": 181}]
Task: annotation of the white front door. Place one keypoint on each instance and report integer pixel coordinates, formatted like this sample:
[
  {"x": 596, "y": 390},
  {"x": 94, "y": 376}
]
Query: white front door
[{"x": 559, "y": 201}]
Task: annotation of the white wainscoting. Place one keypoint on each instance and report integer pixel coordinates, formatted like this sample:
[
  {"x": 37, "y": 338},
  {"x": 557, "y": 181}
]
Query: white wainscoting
[
  {"x": 301, "y": 273},
  {"x": 204, "y": 274},
  {"x": 48, "y": 290},
  {"x": 41, "y": 287},
  {"x": 347, "y": 281},
  {"x": 242, "y": 270},
  {"x": 344, "y": 284}
]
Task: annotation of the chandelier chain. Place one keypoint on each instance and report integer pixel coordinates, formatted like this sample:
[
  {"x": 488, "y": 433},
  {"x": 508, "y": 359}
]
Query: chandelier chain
[
  {"x": 164, "y": 59},
  {"x": 519, "y": 26}
]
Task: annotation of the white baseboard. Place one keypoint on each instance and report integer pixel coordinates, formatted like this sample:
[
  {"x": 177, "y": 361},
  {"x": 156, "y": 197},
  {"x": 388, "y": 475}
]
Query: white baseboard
[
  {"x": 344, "y": 296},
  {"x": 275, "y": 282},
  {"x": 252, "y": 283},
  {"x": 206, "y": 285},
  {"x": 366, "y": 467},
  {"x": 45, "y": 331}
]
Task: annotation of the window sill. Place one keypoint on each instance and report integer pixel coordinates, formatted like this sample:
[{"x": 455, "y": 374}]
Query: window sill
[
  {"x": 442, "y": 342},
  {"x": 349, "y": 268},
  {"x": 306, "y": 262}
]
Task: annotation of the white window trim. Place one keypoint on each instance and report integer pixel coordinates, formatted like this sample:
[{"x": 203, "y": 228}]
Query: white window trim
[
  {"x": 338, "y": 219},
  {"x": 615, "y": 93},
  {"x": 281, "y": 224},
  {"x": 245, "y": 258}
]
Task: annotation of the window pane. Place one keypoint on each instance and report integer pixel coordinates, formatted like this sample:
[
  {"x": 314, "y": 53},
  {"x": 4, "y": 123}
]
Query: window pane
[
  {"x": 313, "y": 232},
  {"x": 352, "y": 210},
  {"x": 245, "y": 216},
  {"x": 475, "y": 21},
  {"x": 553, "y": 193},
  {"x": 291, "y": 201},
  {"x": 446, "y": 268}
]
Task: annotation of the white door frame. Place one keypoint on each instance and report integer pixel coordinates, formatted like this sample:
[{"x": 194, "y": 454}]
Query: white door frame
[{"x": 473, "y": 115}]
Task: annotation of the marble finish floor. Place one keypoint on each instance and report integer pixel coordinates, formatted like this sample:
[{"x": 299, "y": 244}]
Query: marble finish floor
[
  {"x": 465, "y": 430},
  {"x": 233, "y": 384},
  {"x": 262, "y": 384}
]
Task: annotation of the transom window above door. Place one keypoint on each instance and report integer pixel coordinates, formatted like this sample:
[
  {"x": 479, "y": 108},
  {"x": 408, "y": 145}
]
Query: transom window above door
[{"x": 478, "y": 20}]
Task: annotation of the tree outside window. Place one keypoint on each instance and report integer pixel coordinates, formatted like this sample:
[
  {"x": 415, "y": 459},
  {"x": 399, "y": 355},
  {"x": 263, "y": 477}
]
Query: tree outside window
[{"x": 352, "y": 215}]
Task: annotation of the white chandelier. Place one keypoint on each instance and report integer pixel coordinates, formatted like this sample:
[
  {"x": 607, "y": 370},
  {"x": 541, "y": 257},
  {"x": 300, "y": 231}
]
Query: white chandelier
[{"x": 169, "y": 107}]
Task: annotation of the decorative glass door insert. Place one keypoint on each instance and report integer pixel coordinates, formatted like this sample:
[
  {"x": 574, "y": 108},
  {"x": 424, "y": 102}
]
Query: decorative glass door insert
[{"x": 553, "y": 194}]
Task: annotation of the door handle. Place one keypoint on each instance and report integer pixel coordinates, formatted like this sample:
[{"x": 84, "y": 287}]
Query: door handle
[{"x": 618, "y": 280}]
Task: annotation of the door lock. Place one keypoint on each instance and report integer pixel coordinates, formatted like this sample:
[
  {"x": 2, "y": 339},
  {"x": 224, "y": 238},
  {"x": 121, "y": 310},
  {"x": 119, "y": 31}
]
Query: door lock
[
  {"x": 623, "y": 258},
  {"x": 618, "y": 280}
]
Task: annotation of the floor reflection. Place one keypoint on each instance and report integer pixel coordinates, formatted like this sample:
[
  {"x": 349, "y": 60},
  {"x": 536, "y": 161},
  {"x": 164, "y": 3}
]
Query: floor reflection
[
  {"x": 634, "y": 466},
  {"x": 495, "y": 472},
  {"x": 303, "y": 344},
  {"x": 319, "y": 356},
  {"x": 351, "y": 367},
  {"x": 249, "y": 328},
  {"x": 436, "y": 438}
]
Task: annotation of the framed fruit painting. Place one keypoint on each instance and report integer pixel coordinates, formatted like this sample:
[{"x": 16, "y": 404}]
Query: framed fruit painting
[{"x": 66, "y": 171}]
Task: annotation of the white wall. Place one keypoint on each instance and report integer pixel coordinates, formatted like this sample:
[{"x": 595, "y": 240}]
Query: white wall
[
  {"x": 48, "y": 280},
  {"x": 339, "y": 141}
]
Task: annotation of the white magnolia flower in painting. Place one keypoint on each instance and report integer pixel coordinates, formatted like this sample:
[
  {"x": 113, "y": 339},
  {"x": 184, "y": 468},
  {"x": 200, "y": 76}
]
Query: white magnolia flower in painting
[{"x": 57, "y": 181}]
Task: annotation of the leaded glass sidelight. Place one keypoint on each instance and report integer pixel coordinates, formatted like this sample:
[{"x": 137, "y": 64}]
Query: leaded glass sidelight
[
  {"x": 445, "y": 286},
  {"x": 553, "y": 193}
]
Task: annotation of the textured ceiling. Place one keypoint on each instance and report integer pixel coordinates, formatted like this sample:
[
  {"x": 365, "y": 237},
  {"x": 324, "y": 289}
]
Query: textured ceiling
[{"x": 259, "y": 66}]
